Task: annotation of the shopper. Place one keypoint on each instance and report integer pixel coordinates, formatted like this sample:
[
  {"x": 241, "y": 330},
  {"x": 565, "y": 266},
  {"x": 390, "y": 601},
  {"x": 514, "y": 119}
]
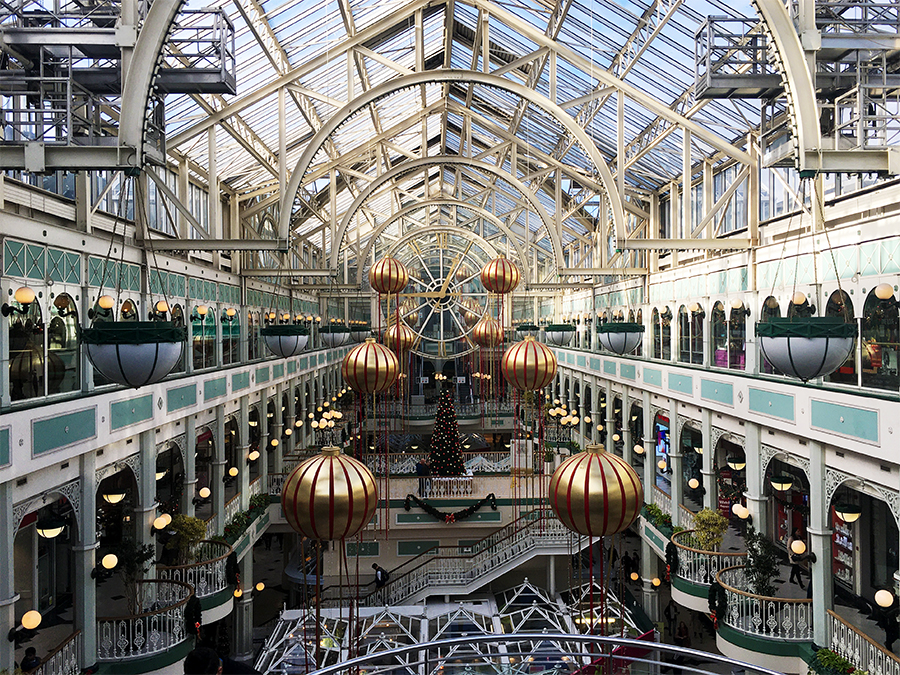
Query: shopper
[
  {"x": 381, "y": 575},
  {"x": 795, "y": 559}
]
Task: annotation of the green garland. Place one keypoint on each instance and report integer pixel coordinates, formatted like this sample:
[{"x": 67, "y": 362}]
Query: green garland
[
  {"x": 733, "y": 490},
  {"x": 450, "y": 517}
]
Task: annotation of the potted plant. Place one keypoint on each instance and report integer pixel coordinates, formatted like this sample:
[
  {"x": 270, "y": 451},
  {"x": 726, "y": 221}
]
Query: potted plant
[
  {"x": 549, "y": 457},
  {"x": 186, "y": 532},
  {"x": 762, "y": 562},
  {"x": 709, "y": 529},
  {"x": 134, "y": 561}
]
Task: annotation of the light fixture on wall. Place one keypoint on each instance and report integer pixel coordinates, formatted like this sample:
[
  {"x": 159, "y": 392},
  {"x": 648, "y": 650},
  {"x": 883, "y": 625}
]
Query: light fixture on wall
[
  {"x": 884, "y": 292},
  {"x": 252, "y": 457},
  {"x": 693, "y": 483},
  {"x": 50, "y": 526},
  {"x": 656, "y": 582},
  {"x": 782, "y": 482},
  {"x": 639, "y": 449},
  {"x": 30, "y": 621},
  {"x": 24, "y": 296},
  {"x": 202, "y": 496},
  {"x": 106, "y": 566},
  {"x": 798, "y": 546},
  {"x": 161, "y": 522},
  {"x": 736, "y": 463},
  {"x": 884, "y": 598},
  {"x": 849, "y": 513},
  {"x": 116, "y": 496},
  {"x": 161, "y": 474},
  {"x": 737, "y": 305}
]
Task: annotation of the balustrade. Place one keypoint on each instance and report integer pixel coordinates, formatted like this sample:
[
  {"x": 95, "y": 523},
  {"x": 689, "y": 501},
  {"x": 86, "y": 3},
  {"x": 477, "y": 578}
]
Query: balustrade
[
  {"x": 156, "y": 628},
  {"x": 763, "y": 616},
  {"x": 63, "y": 660},
  {"x": 859, "y": 649},
  {"x": 450, "y": 486},
  {"x": 232, "y": 508},
  {"x": 207, "y": 575},
  {"x": 698, "y": 566},
  {"x": 662, "y": 500},
  {"x": 256, "y": 486},
  {"x": 276, "y": 481}
]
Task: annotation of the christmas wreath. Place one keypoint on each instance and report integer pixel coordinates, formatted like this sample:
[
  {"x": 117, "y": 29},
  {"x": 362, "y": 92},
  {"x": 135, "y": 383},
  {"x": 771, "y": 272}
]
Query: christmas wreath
[
  {"x": 449, "y": 517},
  {"x": 732, "y": 490}
]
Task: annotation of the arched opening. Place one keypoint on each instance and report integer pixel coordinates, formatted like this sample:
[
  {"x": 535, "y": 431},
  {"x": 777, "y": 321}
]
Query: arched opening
[
  {"x": 737, "y": 337},
  {"x": 203, "y": 337},
  {"x": 692, "y": 468},
  {"x": 128, "y": 311},
  {"x": 205, "y": 452},
  {"x": 233, "y": 460},
  {"x": 27, "y": 367},
  {"x": 231, "y": 338},
  {"x": 770, "y": 310},
  {"x": 615, "y": 434},
  {"x": 789, "y": 507},
  {"x": 661, "y": 453},
  {"x": 253, "y": 335},
  {"x": 880, "y": 342},
  {"x": 840, "y": 305},
  {"x": 170, "y": 479},
  {"x": 63, "y": 354},
  {"x": 690, "y": 334},
  {"x": 636, "y": 422},
  {"x": 178, "y": 321},
  {"x": 731, "y": 480}
]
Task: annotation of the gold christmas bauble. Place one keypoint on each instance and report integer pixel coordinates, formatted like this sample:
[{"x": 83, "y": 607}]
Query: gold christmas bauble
[
  {"x": 399, "y": 336},
  {"x": 388, "y": 275},
  {"x": 500, "y": 275},
  {"x": 529, "y": 365},
  {"x": 596, "y": 493},
  {"x": 487, "y": 333},
  {"x": 370, "y": 367},
  {"x": 329, "y": 496}
]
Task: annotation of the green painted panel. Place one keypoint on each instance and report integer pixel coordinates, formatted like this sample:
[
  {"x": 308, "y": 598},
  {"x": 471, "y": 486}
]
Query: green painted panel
[
  {"x": 595, "y": 364},
  {"x": 771, "y": 403},
  {"x": 570, "y": 358},
  {"x": 686, "y": 586},
  {"x": 277, "y": 370},
  {"x": 35, "y": 262},
  {"x": 292, "y": 367},
  {"x": 4, "y": 445},
  {"x": 652, "y": 535},
  {"x": 844, "y": 419},
  {"x": 773, "y": 646},
  {"x": 130, "y": 411},
  {"x": 609, "y": 367},
  {"x": 57, "y": 432},
  {"x": 580, "y": 361},
  {"x": 304, "y": 363},
  {"x": 216, "y": 599},
  {"x": 681, "y": 383},
  {"x": 214, "y": 388},
  {"x": 722, "y": 392},
  {"x": 262, "y": 374},
  {"x": 627, "y": 371},
  {"x": 653, "y": 376},
  {"x": 407, "y": 548},
  {"x": 13, "y": 258},
  {"x": 240, "y": 381},
  {"x": 181, "y": 397},
  {"x": 362, "y": 549}
]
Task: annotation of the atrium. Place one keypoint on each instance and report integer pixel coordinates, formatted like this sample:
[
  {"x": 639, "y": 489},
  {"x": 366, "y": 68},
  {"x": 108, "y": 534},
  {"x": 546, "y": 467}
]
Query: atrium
[{"x": 460, "y": 249}]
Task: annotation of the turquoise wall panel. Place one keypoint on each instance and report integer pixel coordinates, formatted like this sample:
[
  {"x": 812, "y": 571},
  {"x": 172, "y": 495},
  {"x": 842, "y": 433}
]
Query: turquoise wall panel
[
  {"x": 844, "y": 419},
  {"x": 304, "y": 363},
  {"x": 35, "y": 262},
  {"x": 13, "y": 258},
  {"x": 292, "y": 367},
  {"x": 277, "y": 370},
  {"x": 653, "y": 376},
  {"x": 609, "y": 367},
  {"x": 130, "y": 411},
  {"x": 262, "y": 374},
  {"x": 214, "y": 388},
  {"x": 4, "y": 446},
  {"x": 721, "y": 392},
  {"x": 627, "y": 371},
  {"x": 240, "y": 381},
  {"x": 62, "y": 430},
  {"x": 580, "y": 361},
  {"x": 595, "y": 364},
  {"x": 181, "y": 397},
  {"x": 407, "y": 548},
  {"x": 771, "y": 403},
  {"x": 570, "y": 358},
  {"x": 681, "y": 383}
]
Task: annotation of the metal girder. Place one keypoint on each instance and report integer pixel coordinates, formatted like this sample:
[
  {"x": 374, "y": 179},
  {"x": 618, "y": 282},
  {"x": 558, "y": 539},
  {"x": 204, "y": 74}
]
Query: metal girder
[
  {"x": 73, "y": 157},
  {"x": 448, "y": 76},
  {"x": 443, "y": 160},
  {"x": 290, "y": 272},
  {"x": 602, "y": 271},
  {"x": 480, "y": 213},
  {"x": 221, "y": 245},
  {"x": 689, "y": 244}
]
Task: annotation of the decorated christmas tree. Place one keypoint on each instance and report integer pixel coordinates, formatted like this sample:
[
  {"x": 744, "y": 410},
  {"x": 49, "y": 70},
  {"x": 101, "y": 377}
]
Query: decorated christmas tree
[{"x": 446, "y": 457}]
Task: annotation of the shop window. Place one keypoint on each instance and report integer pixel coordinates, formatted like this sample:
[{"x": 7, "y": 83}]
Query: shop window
[
  {"x": 839, "y": 305},
  {"x": 231, "y": 338},
  {"x": 203, "y": 331},
  {"x": 63, "y": 354},
  {"x": 880, "y": 343},
  {"x": 27, "y": 371}
]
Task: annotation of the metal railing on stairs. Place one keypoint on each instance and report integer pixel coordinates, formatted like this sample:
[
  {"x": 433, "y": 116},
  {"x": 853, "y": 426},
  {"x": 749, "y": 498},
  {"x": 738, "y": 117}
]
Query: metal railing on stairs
[{"x": 859, "y": 649}]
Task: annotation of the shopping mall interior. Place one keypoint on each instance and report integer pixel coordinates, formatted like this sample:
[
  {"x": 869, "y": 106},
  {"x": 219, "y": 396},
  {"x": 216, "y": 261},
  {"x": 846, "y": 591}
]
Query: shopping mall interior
[{"x": 552, "y": 335}]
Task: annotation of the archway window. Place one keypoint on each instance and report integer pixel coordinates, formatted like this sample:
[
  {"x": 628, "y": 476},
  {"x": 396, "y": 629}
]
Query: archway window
[
  {"x": 737, "y": 338},
  {"x": 253, "y": 335},
  {"x": 203, "y": 331},
  {"x": 27, "y": 368},
  {"x": 880, "y": 343},
  {"x": 791, "y": 506},
  {"x": 719, "y": 336},
  {"x": 840, "y": 306},
  {"x": 169, "y": 480},
  {"x": 639, "y": 319},
  {"x": 657, "y": 334},
  {"x": 770, "y": 309},
  {"x": 128, "y": 311},
  {"x": 231, "y": 339},
  {"x": 178, "y": 320},
  {"x": 205, "y": 453},
  {"x": 232, "y": 459},
  {"x": 690, "y": 335},
  {"x": 63, "y": 354}
]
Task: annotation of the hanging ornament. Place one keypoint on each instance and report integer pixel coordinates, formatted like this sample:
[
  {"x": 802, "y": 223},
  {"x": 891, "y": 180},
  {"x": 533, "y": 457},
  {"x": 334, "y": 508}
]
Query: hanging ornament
[
  {"x": 370, "y": 367},
  {"x": 285, "y": 340},
  {"x": 409, "y": 312},
  {"x": 500, "y": 275},
  {"x": 134, "y": 353},
  {"x": 334, "y": 335},
  {"x": 559, "y": 334},
  {"x": 596, "y": 493},
  {"x": 487, "y": 333},
  {"x": 619, "y": 337},
  {"x": 529, "y": 365},
  {"x": 806, "y": 347},
  {"x": 399, "y": 336},
  {"x": 329, "y": 496},
  {"x": 388, "y": 275},
  {"x": 463, "y": 272},
  {"x": 471, "y": 312},
  {"x": 359, "y": 331}
]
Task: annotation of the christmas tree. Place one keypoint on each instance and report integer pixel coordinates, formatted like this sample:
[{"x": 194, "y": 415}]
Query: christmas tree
[{"x": 446, "y": 457}]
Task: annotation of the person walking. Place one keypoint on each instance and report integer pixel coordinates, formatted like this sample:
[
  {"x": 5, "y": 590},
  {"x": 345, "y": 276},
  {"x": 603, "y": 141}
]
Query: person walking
[
  {"x": 670, "y": 614},
  {"x": 795, "y": 559},
  {"x": 423, "y": 470},
  {"x": 381, "y": 575}
]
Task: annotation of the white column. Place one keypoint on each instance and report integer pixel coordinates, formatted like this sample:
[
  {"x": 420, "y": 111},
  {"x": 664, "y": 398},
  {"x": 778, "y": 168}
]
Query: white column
[
  {"x": 755, "y": 494},
  {"x": 711, "y": 494},
  {"x": 190, "y": 466},
  {"x": 84, "y": 559},
  {"x": 243, "y": 612},
  {"x": 819, "y": 544},
  {"x": 217, "y": 466},
  {"x": 8, "y": 595},
  {"x": 675, "y": 463}
]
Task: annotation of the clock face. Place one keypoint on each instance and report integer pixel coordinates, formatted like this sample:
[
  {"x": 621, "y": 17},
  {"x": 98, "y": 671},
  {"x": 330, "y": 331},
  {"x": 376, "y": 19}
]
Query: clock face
[{"x": 444, "y": 298}]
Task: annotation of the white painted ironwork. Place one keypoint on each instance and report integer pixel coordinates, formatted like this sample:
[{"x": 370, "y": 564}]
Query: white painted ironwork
[
  {"x": 859, "y": 649},
  {"x": 232, "y": 508},
  {"x": 256, "y": 486},
  {"x": 662, "y": 500},
  {"x": 700, "y": 567},
  {"x": 157, "y": 626},
  {"x": 207, "y": 575},
  {"x": 64, "y": 660},
  {"x": 774, "y": 618},
  {"x": 451, "y": 486}
]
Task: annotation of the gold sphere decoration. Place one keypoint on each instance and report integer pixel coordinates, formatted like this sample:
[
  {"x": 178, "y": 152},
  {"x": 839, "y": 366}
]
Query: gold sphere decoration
[
  {"x": 399, "y": 337},
  {"x": 388, "y": 275},
  {"x": 529, "y": 365},
  {"x": 500, "y": 275},
  {"x": 487, "y": 333},
  {"x": 370, "y": 367}
]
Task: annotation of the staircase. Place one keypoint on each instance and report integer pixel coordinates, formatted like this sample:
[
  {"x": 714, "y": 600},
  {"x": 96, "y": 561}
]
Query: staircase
[{"x": 443, "y": 571}]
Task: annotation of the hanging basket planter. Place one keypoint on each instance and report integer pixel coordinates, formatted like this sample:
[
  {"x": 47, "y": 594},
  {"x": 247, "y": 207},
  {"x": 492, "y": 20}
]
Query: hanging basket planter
[
  {"x": 806, "y": 347},
  {"x": 334, "y": 336},
  {"x": 559, "y": 334},
  {"x": 134, "y": 353},
  {"x": 527, "y": 329},
  {"x": 620, "y": 338},
  {"x": 360, "y": 333},
  {"x": 285, "y": 341}
]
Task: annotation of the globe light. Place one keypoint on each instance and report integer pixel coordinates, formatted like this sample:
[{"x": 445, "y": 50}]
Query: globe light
[
  {"x": 298, "y": 423},
  {"x": 639, "y": 449},
  {"x": 735, "y": 508},
  {"x": 884, "y": 598},
  {"x": 798, "y": 546},
  {"x": 109, "y": 561},
  {"x": 238, "y": 592},
  {"x": 635, "y": 576},
  {"x": 103, "y": 302},
  {"x": 661, "y": 464},
  {"x": 587, "y": 420},
  {"x": 260, "y": 586},
  {"x": 798, "y": 298},
  {"x": 159, "y": 523},
  {"x": 656, "y": 582},
  {"x": 253, "y": 456},
  {"x": 202, "y": 310},
  {"x": 274, "y": 443},
  {"x": 288, "y": 431},
  {"x": 31, "y": 619},
  {"x": 737, "y": 303},
  {"x": 204, "y": 493},
  {"x": 162, "y": 306},
  {"x": 743, "y": 512},
  {"x": 694, "y": 483},
  {"x": 233, "y": 471},
  {"x": 882, "y": 292},
  {"x": 616, "y": 438},
  {"x": 230, "y": 312}
]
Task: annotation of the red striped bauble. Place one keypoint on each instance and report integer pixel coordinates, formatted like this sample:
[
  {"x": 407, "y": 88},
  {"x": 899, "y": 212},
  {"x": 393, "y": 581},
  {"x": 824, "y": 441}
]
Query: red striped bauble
[
  {"x": 500, "y": 275},
  {"x": 487, "y": 333},
  {"x": 388, "y": 275},
  {"x": 399, "y": 336},
  {"x": 596, "y": 493},
  {"x": 370, "y": 367},
  {"x": 529, "y": 365},
  {"x": 329, "y": 496}
]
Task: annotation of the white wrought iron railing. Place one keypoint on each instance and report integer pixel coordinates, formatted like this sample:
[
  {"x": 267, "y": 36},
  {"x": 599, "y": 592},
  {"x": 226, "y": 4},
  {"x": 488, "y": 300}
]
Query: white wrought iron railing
[
  {"x": 763, "y": 616},
  {"x": 662, "y": 500},
  {"x": 859, "y": 649},
  {"x": 63, "y": 660},
  {"x": 211, "y": 529},
  {"x": 256, "y": 486},
  {"x": 443, "y": 566},
  {"x": 157, "y": 626},
  {"x": 450, "y": 486},
  {"x": 698, "y": 566},
  {"x": 276, "y": 481},
  {"x": 207, "y": 575},
  {"x": 232, "y": 508}
]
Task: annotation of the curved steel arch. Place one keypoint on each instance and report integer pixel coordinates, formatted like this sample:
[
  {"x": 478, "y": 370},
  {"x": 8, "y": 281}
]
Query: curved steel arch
[
  {"x": 483, "y": 213},
  {"x": 443, "y": 76},
  {"x": 443, "y": 160}
]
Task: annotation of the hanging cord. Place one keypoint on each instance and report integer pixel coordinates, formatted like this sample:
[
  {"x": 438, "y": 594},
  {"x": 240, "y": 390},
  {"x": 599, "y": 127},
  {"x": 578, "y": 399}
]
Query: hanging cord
[
  {"x": 154, "y": 265},
  {"x": 124, "y": 192},
  {"x": 819, "y": 204}
]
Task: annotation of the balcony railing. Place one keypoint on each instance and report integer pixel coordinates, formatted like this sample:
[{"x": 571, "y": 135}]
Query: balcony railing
[
  {"x": 775, "y": 618},
  {"x": 156, "y": 629},
  {"x": 207, "y": 575},
  {"x": 448, "y": 487},
  {"x": 256, "y": 486},
  {"x": 232, "y": 508},
  {"x": 700, "y": 567},
  {"x": 276, "y": 481},
  {"x": 662, "y": 500},
  {"x": 859, "y": 649},
  {"x": 63, "y": 660}
]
